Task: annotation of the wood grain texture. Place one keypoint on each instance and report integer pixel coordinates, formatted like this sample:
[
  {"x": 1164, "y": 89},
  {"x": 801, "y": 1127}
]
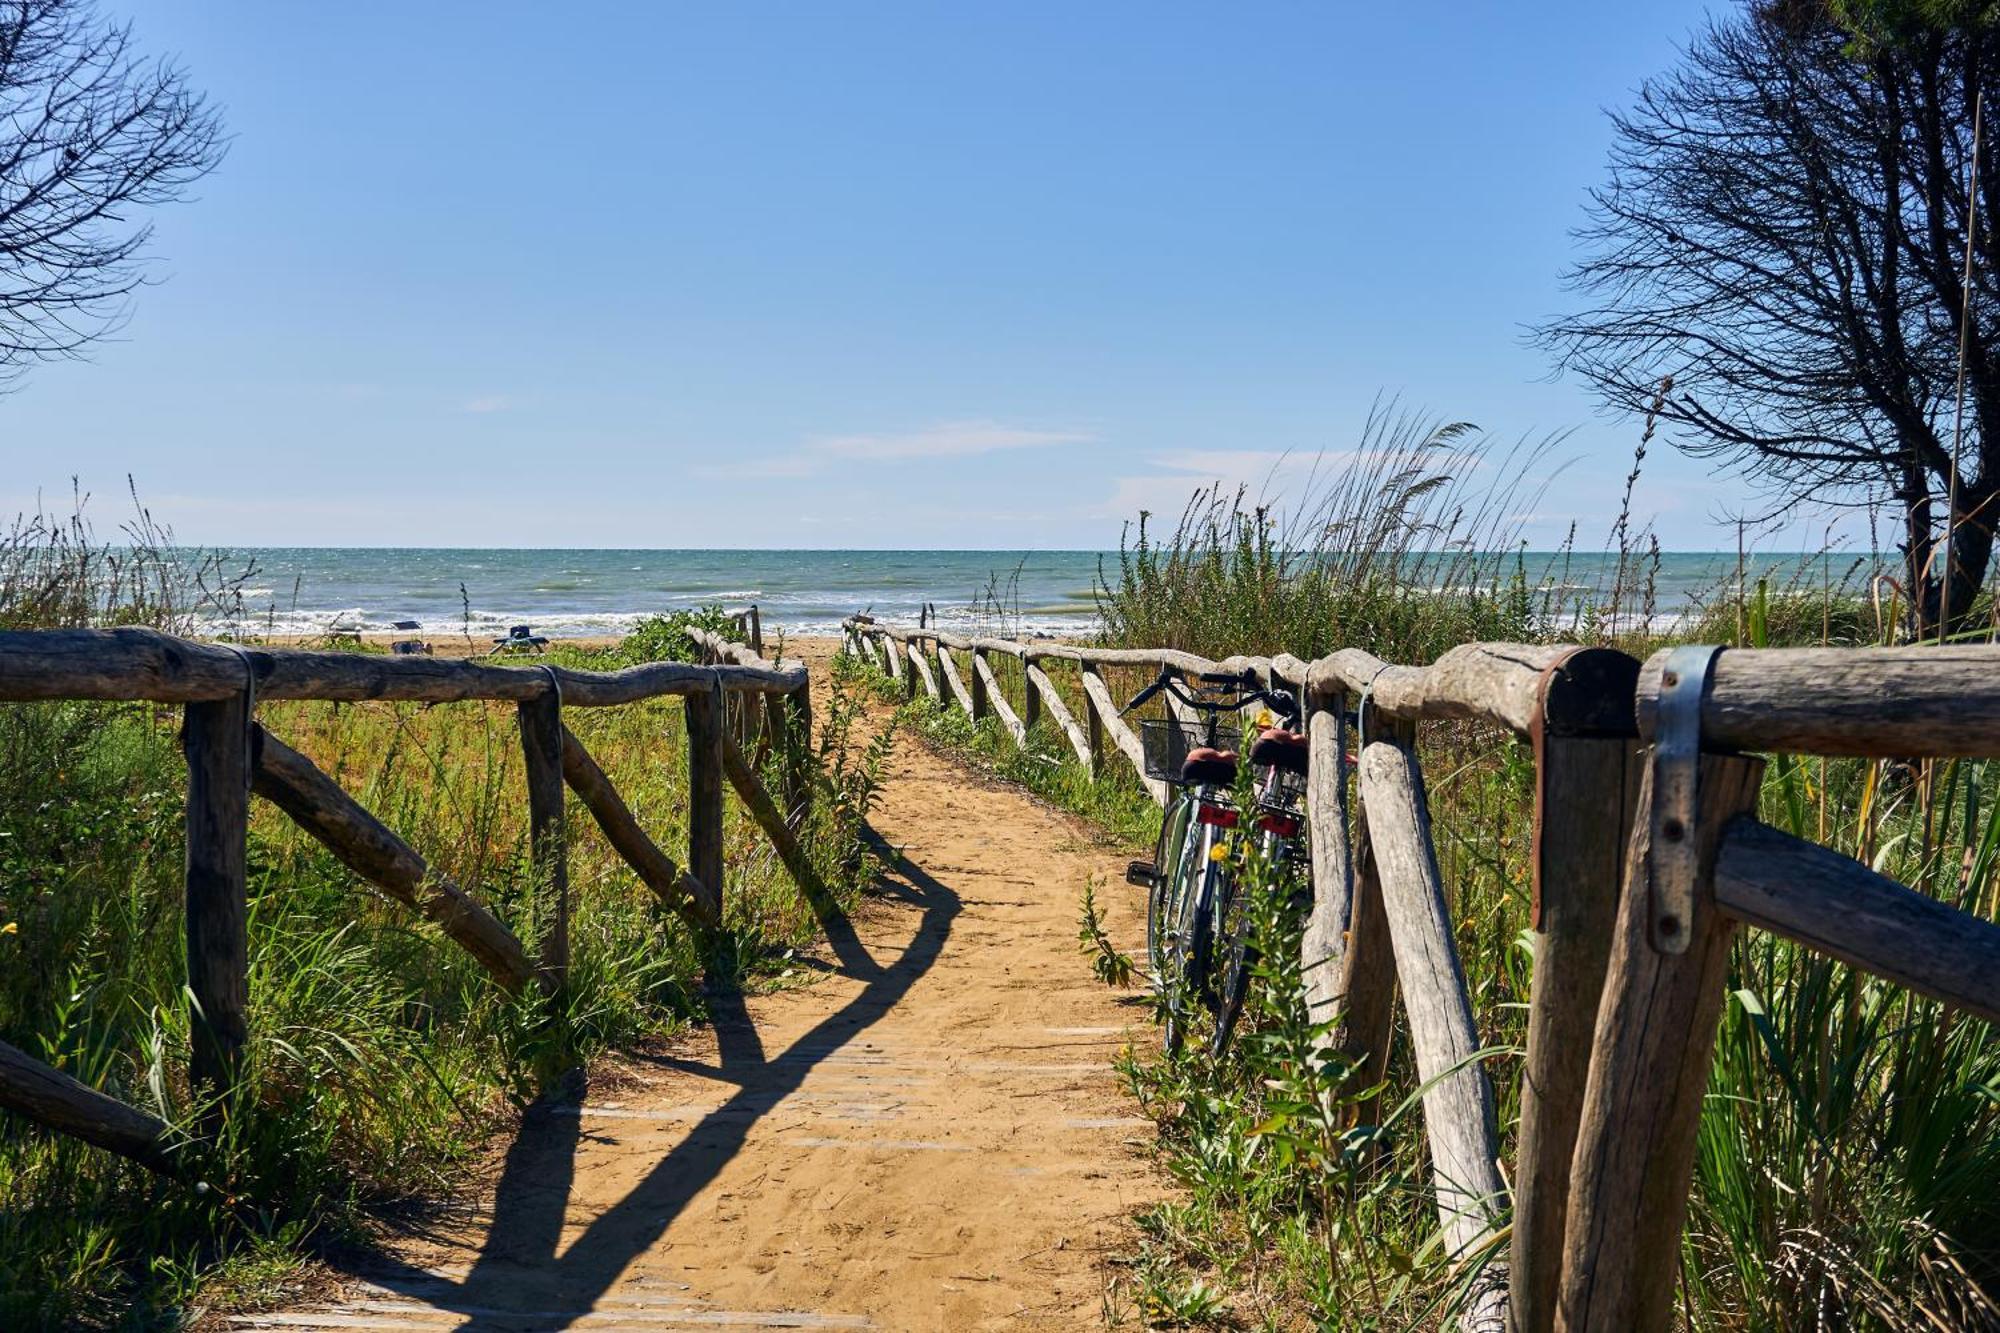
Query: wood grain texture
[
  {"x": 995, "y": 698},
  {"x": 1499, "y": 683},
  {"x": 366, "y": 846},
  {"x": 1891, "y": 702},
  {"x": 765, "y": 811},
  {"x": 705, "y": 741},
  {"x": 924, "y": 672},
  {"x": 1836, "y": 905},
  {"x": 147, "y": 664},
  {"x": 949, "y": 666},
  {"x": 1589, "y": 789},
  {"x": 1042, "y": 688},
  {"x": 1323, "y": 945},
  {"x": 54, "y": 1100},
  {"x": 674, "y": 887},
  {"x": 548, "y": 841},
  {"x": 1458, "y": 1107},
  {"x": 1106, "y": 713},
  {"x": 216, "y": 738},
  {"x": 1651, "y": 1053}
]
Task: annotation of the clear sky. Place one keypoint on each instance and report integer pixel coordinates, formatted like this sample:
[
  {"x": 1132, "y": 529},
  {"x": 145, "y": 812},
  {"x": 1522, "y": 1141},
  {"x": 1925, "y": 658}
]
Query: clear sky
[{"x": 854, "y": 274}]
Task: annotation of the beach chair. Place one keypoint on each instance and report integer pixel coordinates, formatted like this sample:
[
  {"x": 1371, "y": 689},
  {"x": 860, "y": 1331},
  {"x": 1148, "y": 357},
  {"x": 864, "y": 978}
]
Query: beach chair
[
  {"x": 410, "y": 648},
  {"x": 521, "y": 639}
]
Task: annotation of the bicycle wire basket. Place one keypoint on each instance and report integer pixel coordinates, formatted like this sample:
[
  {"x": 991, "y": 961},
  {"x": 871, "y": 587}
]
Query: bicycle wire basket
[{"x": 1167, "y": 742}]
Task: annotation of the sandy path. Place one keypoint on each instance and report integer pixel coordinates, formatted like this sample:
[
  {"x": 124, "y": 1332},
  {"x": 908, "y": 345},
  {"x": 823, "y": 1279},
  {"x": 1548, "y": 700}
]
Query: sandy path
[{"x": 930, "y": 1136}]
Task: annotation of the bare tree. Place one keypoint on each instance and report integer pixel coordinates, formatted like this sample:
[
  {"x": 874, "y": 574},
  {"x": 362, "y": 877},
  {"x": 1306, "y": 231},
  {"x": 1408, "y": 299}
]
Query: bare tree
[
  {"x": 1784, "y": 234},
  {"x": 90, "y": 133}
]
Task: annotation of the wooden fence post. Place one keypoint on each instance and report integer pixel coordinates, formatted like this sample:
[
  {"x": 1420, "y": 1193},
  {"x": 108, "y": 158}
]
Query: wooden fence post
[
  {"x": 705, "y": 784},
  {"x": 1031, "y": 698},
  {"x": 1044, "y": 689},
  {"x": 797, "y": 718},
  {"x": 980, "y": 706},
  {"x": 1347, "y": 959},
  {"x": 215, "y": 736},
  {"x": 1586, "y": 788},
  {"x": 1458, "y": 1105},
  {"x": 548, "y": 843},
  {"x": 1649, "y": 1066},
  {"x": 1093, "y": 723}
]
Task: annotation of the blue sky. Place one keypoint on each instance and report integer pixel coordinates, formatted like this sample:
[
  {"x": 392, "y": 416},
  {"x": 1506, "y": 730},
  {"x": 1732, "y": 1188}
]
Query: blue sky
[{"x": 860, "y": 274}]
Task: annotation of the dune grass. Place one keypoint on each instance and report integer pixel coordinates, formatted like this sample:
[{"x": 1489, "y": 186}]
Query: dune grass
[
  {"x": 382, "y": 1059},
  {"x": 1849, "y": 1166}
]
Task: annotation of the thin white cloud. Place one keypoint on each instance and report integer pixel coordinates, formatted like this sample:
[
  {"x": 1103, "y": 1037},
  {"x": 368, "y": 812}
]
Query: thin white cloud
[
  {"x": 1263, "y": 474},
  {"x": 948, "y": 439}
]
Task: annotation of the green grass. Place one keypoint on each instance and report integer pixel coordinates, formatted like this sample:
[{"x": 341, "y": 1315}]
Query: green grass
[
  {"x": 382, "y": 1059},
  {"x": 1848, "y": 1174}
]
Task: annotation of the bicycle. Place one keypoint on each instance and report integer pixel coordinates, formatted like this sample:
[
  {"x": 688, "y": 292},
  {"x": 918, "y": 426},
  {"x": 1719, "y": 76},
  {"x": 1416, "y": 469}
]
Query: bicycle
[{"x": 1192, "y": 902}]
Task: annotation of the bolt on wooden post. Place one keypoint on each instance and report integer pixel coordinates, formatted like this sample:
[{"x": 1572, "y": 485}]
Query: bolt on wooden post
[{"x": 1655, "y": 1042}]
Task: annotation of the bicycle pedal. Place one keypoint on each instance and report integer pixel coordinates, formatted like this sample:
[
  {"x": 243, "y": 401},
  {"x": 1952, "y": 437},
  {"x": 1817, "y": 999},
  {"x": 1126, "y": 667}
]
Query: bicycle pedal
[{"x": 1140, "y": 873}]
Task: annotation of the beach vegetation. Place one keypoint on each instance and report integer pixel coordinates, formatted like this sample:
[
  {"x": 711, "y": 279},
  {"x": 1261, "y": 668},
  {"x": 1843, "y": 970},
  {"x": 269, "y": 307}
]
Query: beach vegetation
[{"x": 382, "y": 1060}]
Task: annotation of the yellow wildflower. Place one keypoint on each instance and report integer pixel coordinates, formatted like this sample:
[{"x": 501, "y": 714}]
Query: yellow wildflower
[{"x": 1219, "y": 852}]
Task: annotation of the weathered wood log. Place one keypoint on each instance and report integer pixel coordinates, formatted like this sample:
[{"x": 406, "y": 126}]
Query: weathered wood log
[
  {"x": 216, "y": 739},
  {"x": 1323, "y": 943},
  {"x": 923, "y": 669},
  {"x": 362, "y": 843},
  {"x": 1347, "y": 957},
  {"x": 1458, "y": 1106},
  {"x": 1106, "y": 713},
  {"x": 548, "y": 841},
  {"x": 705, "y": 742},
  {"x": 1493, "y": 682},
  {"x": 147, "y": 664},
  {"x": 1031, "y": 698},
  {"x": 1042, "y": 688},
  {"x": 1836, "y": 905},
  {"x": 769, "y": 818},
  {"x": 1588, "y": 788},
  {"x": 896, "y": 671},
  {"x": 995, "y": 699},
  {"x": 1891, "y": 702},
  {"x": 1366, "y": 976},
  {"x": 54, "y": 1100},
  {"x": 799, "y": 762},
  {"x": 952, "y": 678},
  {"x": 980, "y": 706},
  {"x": 674, "y": 887},
  {"x": 1649, "y": 1067},
  {"x": 1587, "y": 765}
]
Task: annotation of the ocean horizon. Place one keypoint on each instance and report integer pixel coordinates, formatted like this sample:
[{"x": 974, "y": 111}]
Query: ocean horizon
[{"x": 596, "y": 592}]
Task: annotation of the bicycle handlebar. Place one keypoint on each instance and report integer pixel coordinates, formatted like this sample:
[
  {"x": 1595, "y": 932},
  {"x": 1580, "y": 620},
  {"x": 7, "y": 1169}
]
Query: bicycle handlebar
[{"x": 1248, "y": 691}]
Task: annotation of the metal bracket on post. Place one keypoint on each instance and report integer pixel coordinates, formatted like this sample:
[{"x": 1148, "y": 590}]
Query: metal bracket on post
[{"x": 1672, "y": 858}]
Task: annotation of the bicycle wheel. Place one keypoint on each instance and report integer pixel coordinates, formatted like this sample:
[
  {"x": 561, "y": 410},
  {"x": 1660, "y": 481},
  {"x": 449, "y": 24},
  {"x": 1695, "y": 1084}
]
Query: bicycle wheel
[
  {"x": 1239, "y": 955},
  {"x": 1168, "y": 853},
  {"x": 1188, "y": 960}
]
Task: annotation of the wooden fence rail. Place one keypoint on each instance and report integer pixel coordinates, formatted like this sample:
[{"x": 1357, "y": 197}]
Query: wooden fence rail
[
  {"x": 1647, "y": 859},
  {"x": 231, "y": 756}
]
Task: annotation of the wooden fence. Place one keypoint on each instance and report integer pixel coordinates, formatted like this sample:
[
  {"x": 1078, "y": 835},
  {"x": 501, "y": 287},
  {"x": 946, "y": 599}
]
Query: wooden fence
[
  {"x": 230, "y": 756},
  {"x": 1647, "y": 857}
]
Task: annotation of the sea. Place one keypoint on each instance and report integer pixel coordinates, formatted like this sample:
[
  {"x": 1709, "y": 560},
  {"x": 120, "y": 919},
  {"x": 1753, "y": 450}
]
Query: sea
[{"x": 575, "y": 593}]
